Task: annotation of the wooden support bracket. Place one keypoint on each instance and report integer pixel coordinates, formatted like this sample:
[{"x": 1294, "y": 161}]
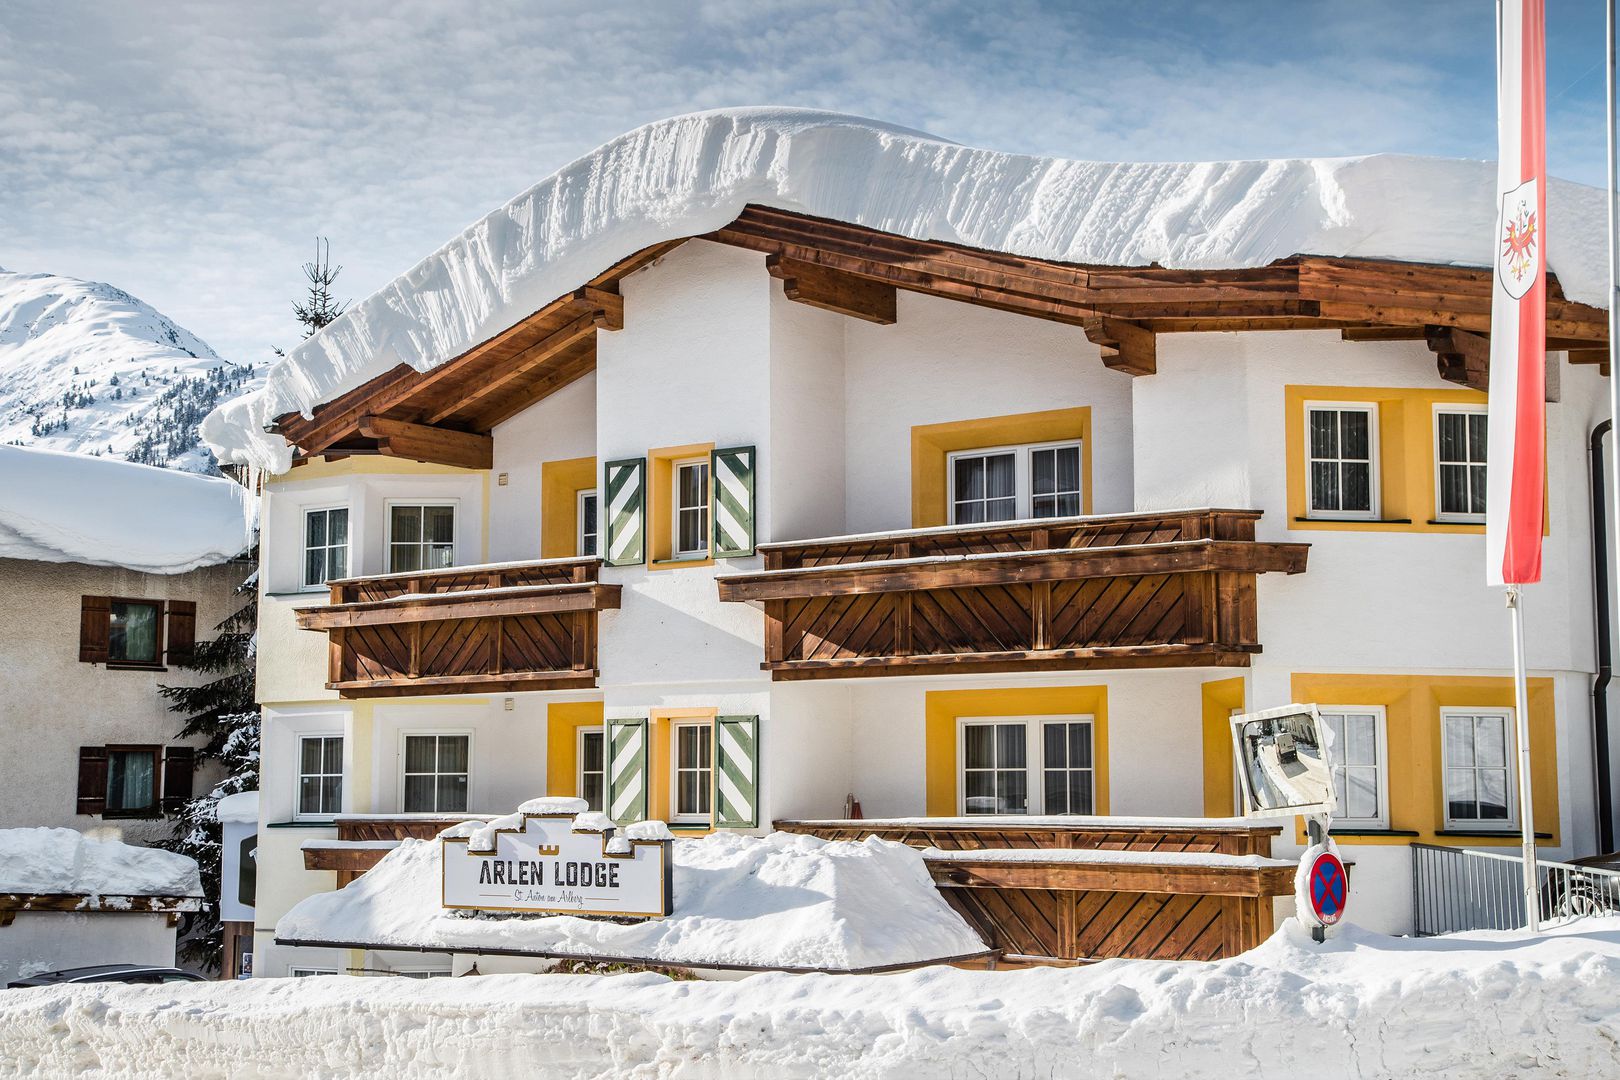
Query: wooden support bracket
[
  {"x": 1126, "y": 346},
  {"x": 419, "y": 442},
  {"x": 606, "y": 308},
  {"x": 834, "y": 290},
  {"x": 1461, "y": 356}
]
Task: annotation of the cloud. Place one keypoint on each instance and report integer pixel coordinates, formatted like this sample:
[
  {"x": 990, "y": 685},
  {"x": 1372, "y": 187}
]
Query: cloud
[{"x": 189, "y": 153}]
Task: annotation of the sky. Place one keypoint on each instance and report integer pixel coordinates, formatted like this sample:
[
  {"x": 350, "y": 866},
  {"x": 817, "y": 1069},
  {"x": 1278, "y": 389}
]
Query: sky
[{"x": 190, "y": 152}]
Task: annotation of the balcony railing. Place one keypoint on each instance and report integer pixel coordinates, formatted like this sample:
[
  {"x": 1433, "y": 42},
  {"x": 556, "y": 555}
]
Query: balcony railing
[
  {"x": 495, "y": 628},
  {"x": 1167, "y": 589}
]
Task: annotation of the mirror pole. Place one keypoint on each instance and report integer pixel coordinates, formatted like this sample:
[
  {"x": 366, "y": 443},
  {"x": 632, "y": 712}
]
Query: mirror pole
[{"x": 1316, "y": 832}]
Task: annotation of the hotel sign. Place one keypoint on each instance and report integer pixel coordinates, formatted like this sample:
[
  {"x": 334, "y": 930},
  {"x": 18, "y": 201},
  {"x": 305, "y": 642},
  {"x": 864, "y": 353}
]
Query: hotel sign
[{"x": 549, "y": 867}]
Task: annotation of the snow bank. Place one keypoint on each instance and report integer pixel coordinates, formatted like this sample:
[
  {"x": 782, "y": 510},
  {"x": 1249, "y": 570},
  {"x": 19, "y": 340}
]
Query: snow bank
[
  {"x": 57, "y": 507},
  {"x": 65, "y": 861},
  {"x": 692, "y": 174},
  {"x": 775, "y": 901},
  {"x": 241, "y": 807},
  {"x": 1485, "y": 1005}
]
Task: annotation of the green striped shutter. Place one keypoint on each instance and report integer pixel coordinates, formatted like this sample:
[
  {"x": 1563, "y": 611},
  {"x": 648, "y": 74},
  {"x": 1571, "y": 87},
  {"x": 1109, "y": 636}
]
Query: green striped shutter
[
  {"x": 736, "y": 762},
  {"x": 624, "y": 509},
  {"x": 731, "y": 496},
  {"x": 627, "y": 771}
]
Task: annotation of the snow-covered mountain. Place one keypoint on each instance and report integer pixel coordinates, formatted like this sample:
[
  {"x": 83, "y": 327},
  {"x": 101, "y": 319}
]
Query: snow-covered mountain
[{"x": 89, "y": 369}]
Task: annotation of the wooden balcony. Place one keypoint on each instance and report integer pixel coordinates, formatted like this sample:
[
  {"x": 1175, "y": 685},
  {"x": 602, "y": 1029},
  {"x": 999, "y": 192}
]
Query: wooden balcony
[
  {"x": 1169, "y": 589},
  {"x": 470, "y": 629}
]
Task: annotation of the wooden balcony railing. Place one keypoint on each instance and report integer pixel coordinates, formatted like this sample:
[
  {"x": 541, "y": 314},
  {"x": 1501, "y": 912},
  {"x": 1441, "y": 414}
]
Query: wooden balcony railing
[
  {"x": 1169, "y": 589},
  {"x": 495, "y": 628}
]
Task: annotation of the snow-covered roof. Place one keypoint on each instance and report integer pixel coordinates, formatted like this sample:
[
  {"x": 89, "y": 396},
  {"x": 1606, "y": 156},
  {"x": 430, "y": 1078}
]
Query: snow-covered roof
[
  {"x": 62, "y": 861},
  {"x": 57, "y": 507},
  {"x": 241, "y": 807},
  {"x": 693, "y": 174},
  {"x": 779, "y": 901}
]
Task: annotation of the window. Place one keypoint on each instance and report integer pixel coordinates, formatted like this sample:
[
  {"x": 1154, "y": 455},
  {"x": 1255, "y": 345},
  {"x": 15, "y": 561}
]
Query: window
[
  {"x": 1359, "y": 765},
  {"x": 306, "y": 972},
  {"x": 436, "y": 773},
  {"x": 132, "y": 781},
  {"x": 320, "y": 776},
  {"x": 592, "y": 767},
  {"x": 1478, "y": 748},
  {"x": 1342, "y": 447},
  {"x": 694, "y": 771},
  {"x": 587, "y": 522},
  {"x": 1012, "y": 482},
  {"x": 421, "y": 538},
  {"x": 1027, "y": 766},
  {"x": 132, "y": 633},
  {"x": 691, "y": 504},
  {"x": 326, "y": 546},
  {"x": 1459, "y": 471}
]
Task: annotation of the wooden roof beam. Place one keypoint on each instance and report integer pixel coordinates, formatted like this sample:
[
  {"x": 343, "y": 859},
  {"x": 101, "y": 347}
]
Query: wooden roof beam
[
  {"x": 1126, "y": 346},
  {"x": 831, "y": 290},
  {"x": 420, "y": 442},
  {"x": 1460, "y": 356},
  {"x": 498, "y": 378}
]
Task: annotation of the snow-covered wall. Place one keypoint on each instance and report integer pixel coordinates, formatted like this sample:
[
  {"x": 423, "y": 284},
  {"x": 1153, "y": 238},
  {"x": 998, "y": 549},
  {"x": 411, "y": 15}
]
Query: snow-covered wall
[{"x": 692, "y": 174}]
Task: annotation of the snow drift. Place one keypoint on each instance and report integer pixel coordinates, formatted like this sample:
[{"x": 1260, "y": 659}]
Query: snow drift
[
  {"x": 1482, "y": 1005},
  {"x": 57, "y": 507},
  {"x": 775, "y": 901},
  {"x": 692, "y": 174},
  {"x": 65, "y": 861}
]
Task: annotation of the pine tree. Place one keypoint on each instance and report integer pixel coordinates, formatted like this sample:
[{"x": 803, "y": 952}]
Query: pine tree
[
  {"x": 320, "y": 308},
  {"x": 221, "y": 711}
]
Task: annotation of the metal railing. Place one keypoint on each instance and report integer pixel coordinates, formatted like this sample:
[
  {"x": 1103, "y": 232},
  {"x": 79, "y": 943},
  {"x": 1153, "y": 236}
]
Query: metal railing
[{"x": 1455, "y": 889}]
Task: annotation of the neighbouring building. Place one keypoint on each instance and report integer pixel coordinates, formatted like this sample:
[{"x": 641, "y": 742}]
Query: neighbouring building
[
  {"x": 109, "y": 573},
  {"x": 767, "y": 464}
]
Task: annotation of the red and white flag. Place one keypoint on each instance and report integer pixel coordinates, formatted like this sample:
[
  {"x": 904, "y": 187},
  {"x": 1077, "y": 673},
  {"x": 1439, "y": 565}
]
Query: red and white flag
[{"x": 1518, "y": 412}]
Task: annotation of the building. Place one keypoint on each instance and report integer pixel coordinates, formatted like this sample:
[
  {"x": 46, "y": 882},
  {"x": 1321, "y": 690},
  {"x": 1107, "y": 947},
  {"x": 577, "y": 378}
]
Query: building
[
  {"x": 109, "y": 572},
  {"x": 889, "y": 473}
]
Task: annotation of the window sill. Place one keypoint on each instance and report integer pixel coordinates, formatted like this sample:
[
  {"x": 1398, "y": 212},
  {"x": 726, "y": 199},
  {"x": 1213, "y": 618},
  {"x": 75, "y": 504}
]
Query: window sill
[
  {"x": 1491, "y": 834},
  {"x": 676, "y": 564},
  {"x": 1351, "y": 521},
  {"x": 301, "y": 824},
  {"x": 152, "y": 814},
  {"x": 1374, "y": 832},
  {"x": 1480, "y": 524},
  {"x": 120, "y": 665}
]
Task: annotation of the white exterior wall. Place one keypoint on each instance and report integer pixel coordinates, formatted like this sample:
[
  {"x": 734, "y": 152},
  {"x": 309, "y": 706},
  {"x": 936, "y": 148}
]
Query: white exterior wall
[
  {"x": 558, "y": 428},
  {"x": 40, "y": 941}
]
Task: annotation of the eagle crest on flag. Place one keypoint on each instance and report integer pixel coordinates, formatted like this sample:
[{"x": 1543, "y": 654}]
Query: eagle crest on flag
[{"x": 1520, "y": 236}]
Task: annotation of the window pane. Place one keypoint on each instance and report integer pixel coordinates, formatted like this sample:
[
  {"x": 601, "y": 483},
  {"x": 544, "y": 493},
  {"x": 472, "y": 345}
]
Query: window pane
[
  {"x": 969, "y": 479},
  {"x": 693, "y": 483},
  {"x": 405, "y": 524},
  {"x": 971, "y": 513},
  {"x": 977, "y": 746},
  {"x": 1000, "y": 479},
  {"x": 338, "y": 526},
  {"x": 419, "y": 753},
  {"x": 1492, "y": 794},
  {"x": 332, "y": 755},
  {"x": 1001, "y": 510},
  {"x": 1357, "y": 489},
  {"x": 1080, "y": 745},
  {"x": 1010, "y": 750},
  {"x": 453, "y": 753},
  {"x": 688, "y": 794},
  {"x": 1459, "y": 741},
  {"x": 1056, "y": 746},
  {"x": 331, "y": 794},
  {"x": 439, "y": 557},
  {"x": 315, "y": 566},
  {"x": 1353, "y": 429},
  {"x": 404, "y": 557},
  {"x": 686, "y": 748},
  {"x": 1361, "y": 740},
  {"x": 591, "y": 791},
  {"x": 1454, "y": 497},
  {"x": 1324, "y": 434},
  {"x": 1477, "y": 432},
  {"x": 418, "y": 794},
  {"x": 1324, "y": 485},
  {"x": 979, "y": 791},
  {"x": 130, "y": 776},
  {"x": 315, "y": 528},
  {"x": 1361, "y": 793},
  {"x": 1476, "y": 497},
  {"x": 439, "y": 524},
  {"x": 1057, "y": 791},
  {"x": 1080, "y": 793},
  {"x": 310, "y": 756},
  {"x": 1013, "y": 791},
  {"x": 691, "y": 538},
  {"x": 132, "y": 633},
  {"x": 452, "y": 794},
  {"x": 591, "y": 751},
  {"x": 1068, "y": 468},
  {"x": 1460, "y": 794},
  {"x": 1043, "y": 472}
]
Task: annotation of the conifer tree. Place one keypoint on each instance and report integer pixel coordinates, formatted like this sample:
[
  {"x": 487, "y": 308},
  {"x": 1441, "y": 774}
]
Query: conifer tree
[{"x": 320, "y": 308}]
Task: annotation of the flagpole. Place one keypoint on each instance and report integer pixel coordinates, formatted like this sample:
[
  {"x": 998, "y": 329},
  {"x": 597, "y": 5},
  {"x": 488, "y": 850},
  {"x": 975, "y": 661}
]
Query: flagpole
[
  {"x": 1521, "y": 716},
  {"x": 1614, "y": 309}
]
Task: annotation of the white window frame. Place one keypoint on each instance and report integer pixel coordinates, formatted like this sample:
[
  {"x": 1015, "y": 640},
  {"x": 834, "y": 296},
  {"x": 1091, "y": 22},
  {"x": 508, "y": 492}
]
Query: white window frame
[
  {"x": 579, "y": 522},
  {"x": 326, "y": 563},
  {"x": 1023, "y": 493},
  {"x": 1034, "y": 757},
  {"x": 1511, "y": 750},
  {"x": 1439, "y": 514},
  {"x": 299, "y": 814},
  {"x": 1381, "y": 748},
  {"x": 675, "y": 770},
  {"x": 585, "y": 730},
  {"x": 388, "y": 531},
  {"x": 437, "y": 733},
  {"x": 1374, "y": 463},
  {"x": 676, "y": 551},
  {"x": 301, "y": 971}
]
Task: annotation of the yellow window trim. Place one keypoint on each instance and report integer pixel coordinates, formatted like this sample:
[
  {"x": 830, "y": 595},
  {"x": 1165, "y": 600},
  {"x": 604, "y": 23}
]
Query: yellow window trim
[
  {"x": 1220, "y": 699},
  {"x": 1412, "y": 705},
  {"x": 943, "y": 708},
  {"x": 660, "y": 761},
  {"x": 1408, "y": 497},
  {"x": 560, "y": 485},
  {"x": 660, "y": 499},
  {"x": 931, "y": 445},
  {"x": 563, "y": 721}
]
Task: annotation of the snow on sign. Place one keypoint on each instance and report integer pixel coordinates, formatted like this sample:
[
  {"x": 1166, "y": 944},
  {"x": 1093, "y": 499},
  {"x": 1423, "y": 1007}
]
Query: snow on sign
[
  {"x": 551, "y": 864},
  {"x": 1327, "y": 887}
]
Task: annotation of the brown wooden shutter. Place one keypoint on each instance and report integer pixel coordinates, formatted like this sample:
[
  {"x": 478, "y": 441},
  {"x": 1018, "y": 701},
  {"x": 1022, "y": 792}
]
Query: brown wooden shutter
[
  {"x": 182, "y": 630},
  {"x": 92, "y": 779},
  {"x": 95, "y": 614},
  {"x": 179, "y": 763}
]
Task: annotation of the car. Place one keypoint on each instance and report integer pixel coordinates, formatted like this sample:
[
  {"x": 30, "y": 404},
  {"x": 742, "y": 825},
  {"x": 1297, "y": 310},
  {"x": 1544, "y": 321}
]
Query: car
[{"x": 108, "y": 973}]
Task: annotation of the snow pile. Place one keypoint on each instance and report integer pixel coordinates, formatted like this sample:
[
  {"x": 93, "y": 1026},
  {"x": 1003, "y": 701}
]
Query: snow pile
[
  {"x": 57, "y": 507},
  {"x": 1483, "y": 1005},
  {"x": 241, "y": 807},
  {"x": 781, "y": 901},
  {"x": 88, "y": 368},
  {"x": 66, "y": 862},
  {"x": 692, "y": 174}
]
